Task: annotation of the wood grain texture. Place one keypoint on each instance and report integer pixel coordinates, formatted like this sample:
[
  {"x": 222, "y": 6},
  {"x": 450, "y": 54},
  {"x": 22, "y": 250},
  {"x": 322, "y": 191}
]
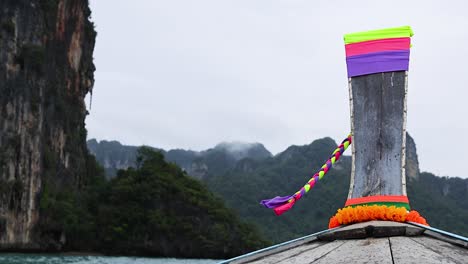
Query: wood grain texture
[
  {"x": 370, "y": 250},
  {"x": 407, "y": 250},
  {"x": 453, "y": 252},
  {"x": 449, "y": 239},
  {"x": 282, "y": 256},
  {"x": 314, "y": 255},
  {"x": 303, "y": 254},
  {"x": 395, "y": 249},
  {"x": 378, "y": 118}
]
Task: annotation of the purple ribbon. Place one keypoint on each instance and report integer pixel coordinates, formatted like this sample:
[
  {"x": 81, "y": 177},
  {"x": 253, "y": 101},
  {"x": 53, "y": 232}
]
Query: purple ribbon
[
  {"x": 385, "y": 61},
  {"x": 275, "y": 202}
]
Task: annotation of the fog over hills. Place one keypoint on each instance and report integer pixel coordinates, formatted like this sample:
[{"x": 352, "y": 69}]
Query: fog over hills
[{"x": 112, "y": 155}]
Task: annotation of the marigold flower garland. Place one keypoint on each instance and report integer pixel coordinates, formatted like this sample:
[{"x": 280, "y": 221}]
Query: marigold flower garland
[{"x": 364, "y": 213}]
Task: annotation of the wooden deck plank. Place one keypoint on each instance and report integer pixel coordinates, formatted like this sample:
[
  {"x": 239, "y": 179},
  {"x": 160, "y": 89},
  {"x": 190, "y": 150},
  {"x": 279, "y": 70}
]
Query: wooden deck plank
[
  {"x": 446, "y": 238},
  {"x": 412, "y": 244},
  {"x": 311, "y": 255},
  {"x": 288, "y": 245},
  {"x": 456, "y": 253},
  {"x": 280, "y": 256},
  {"x": 370, "y": 250},
  {"x": 406, "y": 250}
]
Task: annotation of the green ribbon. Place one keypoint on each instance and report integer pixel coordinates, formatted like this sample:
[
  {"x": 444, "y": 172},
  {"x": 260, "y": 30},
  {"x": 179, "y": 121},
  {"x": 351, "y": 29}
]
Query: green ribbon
[
  {"x": 396, "y": 204},
  {"x": 397, "y": 32}
]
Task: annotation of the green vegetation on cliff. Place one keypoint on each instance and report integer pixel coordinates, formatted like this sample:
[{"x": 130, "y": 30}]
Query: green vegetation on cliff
[
  {"x": 442, "y": 200},
  {"x": 153, "y": 209}
]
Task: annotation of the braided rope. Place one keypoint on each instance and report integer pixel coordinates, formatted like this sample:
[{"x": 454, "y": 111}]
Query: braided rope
[{"x": 282, "y": 204}]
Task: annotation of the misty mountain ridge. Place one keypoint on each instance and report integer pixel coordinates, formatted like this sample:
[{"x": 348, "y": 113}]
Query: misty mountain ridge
[
  {"x": 114, "y": 156},
  {"x": 240, "y": 150}
]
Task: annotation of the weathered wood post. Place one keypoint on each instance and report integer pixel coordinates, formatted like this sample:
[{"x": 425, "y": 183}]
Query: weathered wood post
[{"x": 377, "y": 63}]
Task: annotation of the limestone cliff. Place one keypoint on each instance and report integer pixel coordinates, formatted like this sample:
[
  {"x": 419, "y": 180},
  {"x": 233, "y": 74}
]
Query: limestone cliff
[
  {"x": 412, "y": 163},
  {"x": 46, "y": 70}
]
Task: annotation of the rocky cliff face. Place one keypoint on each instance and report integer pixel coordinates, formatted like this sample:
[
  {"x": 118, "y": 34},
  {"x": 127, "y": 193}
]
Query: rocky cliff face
[
  {"x": 412, "y": 163},
  {"x": 112, "y": 155},
  {"x": 46, "y": 70}
]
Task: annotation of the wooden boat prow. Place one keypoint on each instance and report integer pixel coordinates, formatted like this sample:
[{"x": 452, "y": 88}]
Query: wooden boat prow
[{"x": 368, "y": 242}]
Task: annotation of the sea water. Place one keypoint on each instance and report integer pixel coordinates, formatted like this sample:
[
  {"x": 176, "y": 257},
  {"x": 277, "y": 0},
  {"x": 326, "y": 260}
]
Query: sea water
[{"x": 56, "y": 259}]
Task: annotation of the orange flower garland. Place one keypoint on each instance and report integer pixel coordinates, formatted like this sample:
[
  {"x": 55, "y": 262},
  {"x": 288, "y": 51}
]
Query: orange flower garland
[
  {"x": 414, "y": 216},
  {"x": 364, "y": 213}
]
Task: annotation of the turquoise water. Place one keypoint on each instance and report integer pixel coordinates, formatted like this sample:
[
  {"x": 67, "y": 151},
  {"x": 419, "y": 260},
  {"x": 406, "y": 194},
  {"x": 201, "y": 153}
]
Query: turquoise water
[{"x": 56, "y": 259}]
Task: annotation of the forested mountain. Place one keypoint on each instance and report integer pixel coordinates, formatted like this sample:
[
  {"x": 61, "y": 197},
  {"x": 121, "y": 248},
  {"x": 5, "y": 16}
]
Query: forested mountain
[
  {"x": 154, "y": 209},
  {"x": 242, "y": 185}
]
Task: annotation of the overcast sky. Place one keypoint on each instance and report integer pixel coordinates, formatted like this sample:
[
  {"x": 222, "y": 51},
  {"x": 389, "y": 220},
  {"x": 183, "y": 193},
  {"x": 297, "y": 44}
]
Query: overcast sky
[{"x": 190, "y": 74}]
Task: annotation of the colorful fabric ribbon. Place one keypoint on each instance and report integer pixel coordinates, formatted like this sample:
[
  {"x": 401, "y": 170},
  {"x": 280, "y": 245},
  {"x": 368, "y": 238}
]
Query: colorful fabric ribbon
[
  {"x": 377, "y": 51},
  {"x": 377, "y": 46},
  {"x": 396, "y": 32},
  {"x": 388, "y": 200},
  {"x": 282, "y": 204}
]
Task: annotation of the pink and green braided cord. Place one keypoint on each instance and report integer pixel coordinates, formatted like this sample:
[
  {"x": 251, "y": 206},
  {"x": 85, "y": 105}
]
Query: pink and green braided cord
[{"x": 282, "y": 204}]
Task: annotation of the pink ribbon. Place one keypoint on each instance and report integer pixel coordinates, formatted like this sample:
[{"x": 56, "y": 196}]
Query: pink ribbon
[{"x": 379, "y": 45}]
